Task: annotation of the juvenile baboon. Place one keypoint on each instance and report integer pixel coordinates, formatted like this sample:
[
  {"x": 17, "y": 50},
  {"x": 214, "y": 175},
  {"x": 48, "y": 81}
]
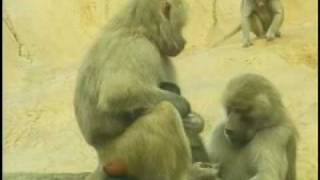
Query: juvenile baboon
[
  {"x": 262, "y": 17},
  {"x": 258, "y": 140},
  {"x": 120, "y": 77},
  {"x": 193, "y": 125}
]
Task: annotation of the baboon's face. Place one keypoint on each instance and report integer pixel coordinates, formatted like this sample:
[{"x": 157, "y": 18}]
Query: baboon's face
[
  {"x": 174, "y": 18},
  {"x": 245, "y": 115}
]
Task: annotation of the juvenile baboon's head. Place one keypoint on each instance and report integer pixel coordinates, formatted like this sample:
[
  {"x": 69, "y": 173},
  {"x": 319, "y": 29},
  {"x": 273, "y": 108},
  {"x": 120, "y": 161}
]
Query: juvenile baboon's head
[
  {"x": 161, "y": 21},
  {"x": 251, "y": 104}
]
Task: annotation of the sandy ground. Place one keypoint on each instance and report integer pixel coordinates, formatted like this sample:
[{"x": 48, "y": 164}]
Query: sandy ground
[{"x": 40, "y": 132}]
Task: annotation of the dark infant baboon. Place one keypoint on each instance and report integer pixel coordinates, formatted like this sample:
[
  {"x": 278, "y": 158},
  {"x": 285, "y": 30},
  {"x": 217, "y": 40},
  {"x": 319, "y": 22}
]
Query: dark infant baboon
[
  {"x": 262, "y": 17},
  {"x": 119, "y": 79},
  {"x": 193, "y": 125},
  {"x": 258, "y": 140}
]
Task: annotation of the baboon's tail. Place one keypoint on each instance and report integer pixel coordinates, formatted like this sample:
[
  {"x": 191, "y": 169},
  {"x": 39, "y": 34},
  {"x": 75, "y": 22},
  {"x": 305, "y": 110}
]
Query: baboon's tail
[{"x": 226, "y": 37}]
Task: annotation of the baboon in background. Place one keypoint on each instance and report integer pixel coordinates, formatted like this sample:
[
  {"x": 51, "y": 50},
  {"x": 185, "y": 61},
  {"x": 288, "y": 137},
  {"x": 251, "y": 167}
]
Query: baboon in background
[
  {"x": 120, "y": 77},
  {"x": 258, "y": 140},
  {"x": 262, "y": 17},
  {"x": 193, "y": 125}
]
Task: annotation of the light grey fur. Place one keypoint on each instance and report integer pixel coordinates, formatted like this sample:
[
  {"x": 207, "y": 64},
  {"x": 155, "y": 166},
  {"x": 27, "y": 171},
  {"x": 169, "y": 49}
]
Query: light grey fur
[
  {"x": 258, "y": 140},
  {"x": 119, "y": 79}
]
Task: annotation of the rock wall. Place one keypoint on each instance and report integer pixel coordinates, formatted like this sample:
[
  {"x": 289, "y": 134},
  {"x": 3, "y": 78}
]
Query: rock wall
[{"x": 44, "y": 41}]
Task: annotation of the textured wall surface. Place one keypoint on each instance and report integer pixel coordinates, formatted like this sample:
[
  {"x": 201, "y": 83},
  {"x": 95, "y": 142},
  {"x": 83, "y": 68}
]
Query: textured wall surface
[{"x": 44, "y": 41}]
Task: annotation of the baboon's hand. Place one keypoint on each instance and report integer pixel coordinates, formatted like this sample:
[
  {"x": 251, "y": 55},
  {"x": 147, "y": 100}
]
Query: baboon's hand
[
  {"x": 270, "y": 36},
  {"x": 204, "y": 171}
]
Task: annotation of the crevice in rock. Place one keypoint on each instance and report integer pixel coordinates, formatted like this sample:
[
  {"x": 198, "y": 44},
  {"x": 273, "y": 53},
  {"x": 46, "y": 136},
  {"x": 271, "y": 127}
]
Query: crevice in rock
[{"x": 22, "y": 49}]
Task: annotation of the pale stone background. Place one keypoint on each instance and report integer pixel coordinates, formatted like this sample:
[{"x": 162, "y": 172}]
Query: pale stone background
[{"x": 44, "y": 41}]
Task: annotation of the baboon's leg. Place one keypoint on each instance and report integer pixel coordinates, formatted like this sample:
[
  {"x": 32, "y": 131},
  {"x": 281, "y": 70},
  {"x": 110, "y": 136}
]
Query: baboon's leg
[
  {"x": 257, "y": 26},
  {"x": 246, "y": 12},
  {"x": 246, "y": 29},
  {"x": 277, "y": 11}
]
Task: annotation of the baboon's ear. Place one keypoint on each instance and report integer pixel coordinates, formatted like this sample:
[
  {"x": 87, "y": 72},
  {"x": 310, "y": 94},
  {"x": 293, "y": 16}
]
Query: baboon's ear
[{"x": 165, "y": 8}]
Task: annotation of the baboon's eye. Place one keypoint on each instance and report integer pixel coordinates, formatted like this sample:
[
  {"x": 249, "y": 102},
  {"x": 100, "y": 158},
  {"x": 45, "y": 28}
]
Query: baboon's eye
[{"x": 166, "y": 10}]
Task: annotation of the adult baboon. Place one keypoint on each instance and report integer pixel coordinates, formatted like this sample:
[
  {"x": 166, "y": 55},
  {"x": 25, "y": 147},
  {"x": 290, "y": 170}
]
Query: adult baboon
[
  {"x": 258, "y": 140},
  {"x": 193, "y": 125},
  {"x": 120, "y": 77},
  {"x": 262, "y": 17}
]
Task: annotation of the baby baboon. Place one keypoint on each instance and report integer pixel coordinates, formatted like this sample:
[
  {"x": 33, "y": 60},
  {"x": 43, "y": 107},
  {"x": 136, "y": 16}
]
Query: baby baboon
[
  {"x": 119, "y": 79},
  {"x": 193, "y": 125},
  {"x": 258, "y": 140},
  {"x": 262, "y": 17}
]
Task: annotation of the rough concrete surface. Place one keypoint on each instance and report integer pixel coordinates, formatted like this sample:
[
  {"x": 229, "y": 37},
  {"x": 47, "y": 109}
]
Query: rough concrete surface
[{"x": 45, "y": 40}]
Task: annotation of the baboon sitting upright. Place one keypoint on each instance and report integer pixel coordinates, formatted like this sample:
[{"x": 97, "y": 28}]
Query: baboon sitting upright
[
  {"x": 262, "y": 17},
  {"x": 118, "y": 84}
]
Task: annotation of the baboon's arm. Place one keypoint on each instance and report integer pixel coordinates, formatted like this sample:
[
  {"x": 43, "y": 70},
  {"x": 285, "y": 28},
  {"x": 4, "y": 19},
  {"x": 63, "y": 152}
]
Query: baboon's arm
[
  {"x": 246, "y": 11},
  {"x": 270, "y": 157},
  {"x": 127, "y": 109},
  {"x": 178, "y": 101}
]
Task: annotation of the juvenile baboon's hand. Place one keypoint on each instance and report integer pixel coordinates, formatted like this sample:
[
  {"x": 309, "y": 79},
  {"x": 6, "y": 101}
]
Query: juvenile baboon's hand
[{"x": 204, "y": 171}]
